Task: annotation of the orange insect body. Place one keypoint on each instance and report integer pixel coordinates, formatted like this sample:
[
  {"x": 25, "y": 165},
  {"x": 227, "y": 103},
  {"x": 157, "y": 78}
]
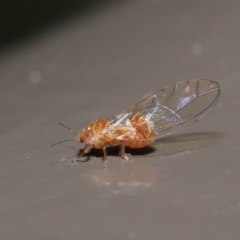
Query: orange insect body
[
  {"x": 169, "y": 109},
  {"x": 103, "y": 132}
]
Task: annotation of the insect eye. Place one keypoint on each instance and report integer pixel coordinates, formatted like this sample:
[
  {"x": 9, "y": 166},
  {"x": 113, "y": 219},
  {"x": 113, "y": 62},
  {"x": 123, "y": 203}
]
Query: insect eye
[{"x": 82, "y": 139}]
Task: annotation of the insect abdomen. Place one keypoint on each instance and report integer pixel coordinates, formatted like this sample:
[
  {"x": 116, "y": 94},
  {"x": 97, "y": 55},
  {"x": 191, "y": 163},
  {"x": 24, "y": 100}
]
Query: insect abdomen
[{"x": 143, "y": 136}]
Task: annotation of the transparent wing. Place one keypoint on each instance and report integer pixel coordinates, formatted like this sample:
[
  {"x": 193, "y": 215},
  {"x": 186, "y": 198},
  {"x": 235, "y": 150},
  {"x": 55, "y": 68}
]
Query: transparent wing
[{"x": 173, "y": 107}]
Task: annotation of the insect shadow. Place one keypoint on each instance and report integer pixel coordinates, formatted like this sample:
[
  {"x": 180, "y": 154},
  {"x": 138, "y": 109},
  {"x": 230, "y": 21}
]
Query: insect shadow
[
  {"x": 175, "y": 144},
  {"x": 168, "y": 145},
  {"x": 114, "y": 151}
]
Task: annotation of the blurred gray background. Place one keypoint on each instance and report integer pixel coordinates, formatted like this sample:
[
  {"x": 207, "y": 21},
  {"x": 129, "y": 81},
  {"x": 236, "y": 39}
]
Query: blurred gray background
[{"x": 76, "y": 61}]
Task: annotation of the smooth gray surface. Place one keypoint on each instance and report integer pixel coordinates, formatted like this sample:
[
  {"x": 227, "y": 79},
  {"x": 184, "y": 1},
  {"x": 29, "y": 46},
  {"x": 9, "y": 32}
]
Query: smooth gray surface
[{"x": 184, "y": 187}]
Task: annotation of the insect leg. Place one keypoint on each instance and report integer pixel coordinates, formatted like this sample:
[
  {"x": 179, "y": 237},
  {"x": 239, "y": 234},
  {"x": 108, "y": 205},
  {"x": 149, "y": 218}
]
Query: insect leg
[
  {"x": 122, "y": 152},
  {"x": 105, "y": 155},
  {"x": 84, "y": 151}
]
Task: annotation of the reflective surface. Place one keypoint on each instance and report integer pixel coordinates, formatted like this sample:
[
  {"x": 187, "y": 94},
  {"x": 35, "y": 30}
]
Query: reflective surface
[{"x": 184, "y": 186}]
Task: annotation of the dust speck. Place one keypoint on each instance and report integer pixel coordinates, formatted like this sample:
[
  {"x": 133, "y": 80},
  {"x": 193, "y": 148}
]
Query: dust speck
[
  {"x": 34, "y": 77},
  {"x": 197, "y": 49}
]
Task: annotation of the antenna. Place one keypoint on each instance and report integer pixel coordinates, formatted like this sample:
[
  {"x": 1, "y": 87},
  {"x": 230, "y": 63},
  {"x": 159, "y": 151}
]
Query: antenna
[
  {"x": 62, "y": 142},
  {"x": 67, "y": 128},
  {"x": 67, "y": 140}
]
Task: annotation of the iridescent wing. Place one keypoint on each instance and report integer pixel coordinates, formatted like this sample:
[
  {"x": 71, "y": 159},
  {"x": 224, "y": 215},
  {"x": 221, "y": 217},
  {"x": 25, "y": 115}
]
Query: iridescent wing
[{"x": 173, "y": 107}]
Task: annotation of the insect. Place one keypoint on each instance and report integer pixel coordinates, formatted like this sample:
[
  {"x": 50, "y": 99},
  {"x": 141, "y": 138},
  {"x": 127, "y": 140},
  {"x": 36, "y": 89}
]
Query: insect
[{"x": 165, "y": 111}]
